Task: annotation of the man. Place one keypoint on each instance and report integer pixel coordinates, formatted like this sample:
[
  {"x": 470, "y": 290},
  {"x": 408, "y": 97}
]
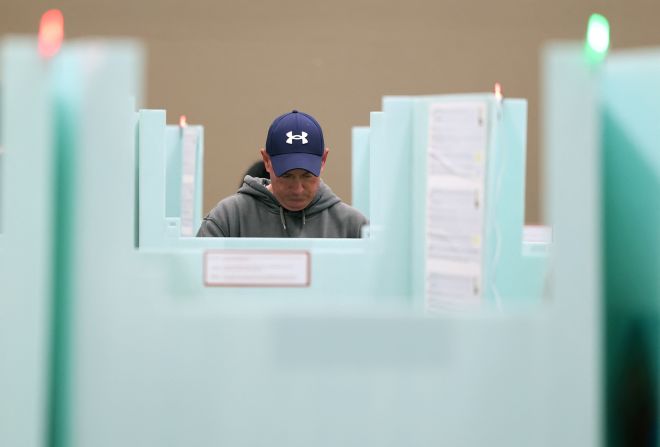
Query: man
[{"x": 294, "y": 202}]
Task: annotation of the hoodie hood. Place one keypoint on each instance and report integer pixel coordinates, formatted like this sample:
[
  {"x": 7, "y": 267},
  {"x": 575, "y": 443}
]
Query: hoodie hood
[{"x": 258, "y": 188}]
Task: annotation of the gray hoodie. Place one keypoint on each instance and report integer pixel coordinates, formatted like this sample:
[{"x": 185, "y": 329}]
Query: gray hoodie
[{"x": 255, "y": 212}]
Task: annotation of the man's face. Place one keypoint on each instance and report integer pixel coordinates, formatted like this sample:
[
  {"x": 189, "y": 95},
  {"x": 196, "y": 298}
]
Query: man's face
[{"x": 294, "y": 189}]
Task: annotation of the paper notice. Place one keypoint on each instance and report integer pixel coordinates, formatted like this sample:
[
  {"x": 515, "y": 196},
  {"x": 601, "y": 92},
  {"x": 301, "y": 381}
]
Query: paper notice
[
  {"x": 457, "y": 140},
  {"x": 262, "y": 268},
  {"x": 188, "y": 168},
  {"x": 456, "y": 156}
]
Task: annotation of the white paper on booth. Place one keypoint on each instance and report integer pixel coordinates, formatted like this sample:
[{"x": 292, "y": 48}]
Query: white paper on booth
[
  {"x": 458, "y": 138},
  {"x": 537, "y": 234},
  {"x": 452, "y": 285},
  {"x": 188, "y": 168},
  {"x": 257, "y": 268}
]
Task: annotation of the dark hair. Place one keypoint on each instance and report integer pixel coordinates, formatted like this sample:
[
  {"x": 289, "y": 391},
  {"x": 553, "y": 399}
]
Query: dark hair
[{"x": 257, "y": 170}]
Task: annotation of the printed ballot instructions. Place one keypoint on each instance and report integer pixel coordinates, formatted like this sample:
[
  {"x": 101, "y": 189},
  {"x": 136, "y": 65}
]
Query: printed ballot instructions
[
  {"x": 257, "y": 268},
  {"x": 455, "y": 189}
]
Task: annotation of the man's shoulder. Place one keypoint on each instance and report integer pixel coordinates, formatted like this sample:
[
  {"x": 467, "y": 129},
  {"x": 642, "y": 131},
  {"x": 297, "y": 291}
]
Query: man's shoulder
[
  {"x": 226, "y": 207},
  {"x": 234, "y": 200},
  {"x": 241, "y": 204},
  {"x": 346, "y": 211}
]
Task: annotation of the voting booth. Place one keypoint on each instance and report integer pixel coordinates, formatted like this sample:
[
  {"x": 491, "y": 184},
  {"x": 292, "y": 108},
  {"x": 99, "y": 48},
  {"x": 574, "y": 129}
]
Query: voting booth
[
  {"x": 466, "y": 190},
  {"x": 442, "y": 325}
]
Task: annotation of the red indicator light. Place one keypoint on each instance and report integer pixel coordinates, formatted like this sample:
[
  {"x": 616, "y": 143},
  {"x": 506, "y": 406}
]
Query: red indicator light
[
  {"x": 51, "y": 32},
  {"x": 498, "y": 91},
  {"x": 182, "y": 121}
]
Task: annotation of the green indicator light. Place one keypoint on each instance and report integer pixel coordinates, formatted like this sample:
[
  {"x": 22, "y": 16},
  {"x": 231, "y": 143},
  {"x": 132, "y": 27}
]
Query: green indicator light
[{"x": 598, "y": 35}]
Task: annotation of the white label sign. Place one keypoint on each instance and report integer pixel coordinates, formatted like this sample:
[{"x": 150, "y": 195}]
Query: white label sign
[
  {"x": 251, "y": 268},
  {"x": 537, "y": 234}
]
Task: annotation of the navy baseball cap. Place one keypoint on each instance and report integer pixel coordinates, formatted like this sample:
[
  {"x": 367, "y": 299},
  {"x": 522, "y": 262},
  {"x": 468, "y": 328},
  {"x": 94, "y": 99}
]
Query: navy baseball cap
[{"x": 295, "y": 141}]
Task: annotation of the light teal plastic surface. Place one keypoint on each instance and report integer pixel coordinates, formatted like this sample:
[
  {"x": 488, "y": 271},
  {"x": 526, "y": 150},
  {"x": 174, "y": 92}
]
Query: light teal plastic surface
[
  {"x": 159, "y": 149},
  {"x": 360, "y": 159},
  {"x": 391, "y": 204},
  {"x": 102, "y": 89},
  {"x": 630, "y": 99},
  {"x": 376, "y": 143},
  {"x": 517, "y": 276},
  {"x": 26, "y": 241},
  {"x": 571, "y": 148}
]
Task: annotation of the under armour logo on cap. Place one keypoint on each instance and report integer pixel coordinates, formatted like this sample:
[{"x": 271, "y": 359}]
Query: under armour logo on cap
[
  {"x": 292, "y": 137},
  {"x": 285, "y": 154}
]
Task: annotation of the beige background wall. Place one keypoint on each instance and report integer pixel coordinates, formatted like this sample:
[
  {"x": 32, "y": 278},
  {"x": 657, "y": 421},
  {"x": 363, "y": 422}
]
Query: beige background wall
[{"x": 234, "y": 66}]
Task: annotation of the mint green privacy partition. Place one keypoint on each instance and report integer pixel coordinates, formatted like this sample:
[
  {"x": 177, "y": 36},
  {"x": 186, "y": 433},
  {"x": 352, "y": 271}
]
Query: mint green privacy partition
[
  {"x": 93, "y": 79},
  {"x": 165, "y": 192},
  {"x": 572, "y": 206},
  {"x": 155, "y": 357},
  {"x": 604, "y": 173},
  {"x": 360, "y": 159},
  {"x": 518, "y": 268},
  {"x": 629, "y": 93},
  {"x": 161, "y": 359},
  {"x": 28, "y": 192}
]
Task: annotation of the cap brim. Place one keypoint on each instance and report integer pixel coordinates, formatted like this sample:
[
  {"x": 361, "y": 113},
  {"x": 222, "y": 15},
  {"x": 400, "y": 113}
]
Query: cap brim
[{"x": 297, "y": 160}]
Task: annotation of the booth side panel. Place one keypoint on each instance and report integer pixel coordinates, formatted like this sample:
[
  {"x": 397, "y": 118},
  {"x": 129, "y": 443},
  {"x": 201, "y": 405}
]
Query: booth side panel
[
  {"x": 152, "y": 177},
  {"x": 102, "y": 221},
  {"x": 394, "y": 193},
  {"x": 26, "y": 243},
  {"x": 571, "y": 146},
  {"x": 172, "y": 148},
  {"x": 517, "y": 278},
  {"x": 199, "y": 180},
  {"x": 418, "y": 198},
  {"x": 360, "y": 169},
  {"x": 631, "y": 219}
]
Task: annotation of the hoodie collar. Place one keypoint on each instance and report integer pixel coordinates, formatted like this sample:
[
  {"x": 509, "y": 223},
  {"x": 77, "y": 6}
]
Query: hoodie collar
[{"x": 258, "y": 188}]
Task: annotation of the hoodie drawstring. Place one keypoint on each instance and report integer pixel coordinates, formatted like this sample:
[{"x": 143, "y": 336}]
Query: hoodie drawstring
[
  {"x": 304, "y": 219},
  {"x": 282, "y": 218}
]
